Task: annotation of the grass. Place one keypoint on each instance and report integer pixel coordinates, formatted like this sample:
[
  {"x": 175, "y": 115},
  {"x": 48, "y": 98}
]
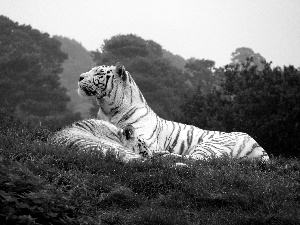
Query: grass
[{"x": 41, "y": 184}]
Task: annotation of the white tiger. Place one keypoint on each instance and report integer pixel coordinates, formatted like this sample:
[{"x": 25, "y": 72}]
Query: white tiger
[
  {"x": 121, "y": 102},
  {"x": 101, "y": 135}
]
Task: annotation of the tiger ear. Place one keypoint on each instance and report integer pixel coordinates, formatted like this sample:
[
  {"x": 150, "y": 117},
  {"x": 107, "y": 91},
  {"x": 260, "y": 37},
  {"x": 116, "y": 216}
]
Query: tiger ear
[
  {"x": 121, "y": 71},
  {"x": 128, "y": 132}
]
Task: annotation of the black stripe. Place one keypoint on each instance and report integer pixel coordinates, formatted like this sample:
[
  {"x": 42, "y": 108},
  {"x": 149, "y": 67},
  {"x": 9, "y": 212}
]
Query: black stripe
[
  {"x": 80, "y": 125},
  {"x": 137, "y": 120},
  {"x": 129, "y": 77},
  {"x": 158, "y": 121},
  {"x": 170, "y": 136},
  {"x": 131, "y": 95},
  {"x": 112, "y": 134},
  {"x": 106, "y": 82},
  {"x": 114, "y": 110},
  {"x": 91, "y": 127},
  {"x": 167, "y": 136},
  {"x": 182, "y": 148},
  {"x": 190, "y": 136},
  {"x": 153, "y": 130},
  {"x": 242, "y": 147},
  {"x": 200, "y": 140},
  {"x": 127, "y": 115},
  {"x": 176, "y": 139},
  {"x": 213, "y": 146},
  {"x": 113, "y": 97},
  {"x": 211, "y": 151},
  {"x": 141, "y": 96}
]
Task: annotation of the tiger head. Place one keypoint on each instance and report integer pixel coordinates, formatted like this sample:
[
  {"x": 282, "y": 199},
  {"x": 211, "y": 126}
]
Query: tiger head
[
  {"x": 99, "y": 81},
  {"x": 112, "y": 86},
  {"x": 131, "y": 141}
]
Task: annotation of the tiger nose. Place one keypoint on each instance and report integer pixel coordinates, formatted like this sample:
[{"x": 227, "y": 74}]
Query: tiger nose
[{"x": 81, "y": 77}]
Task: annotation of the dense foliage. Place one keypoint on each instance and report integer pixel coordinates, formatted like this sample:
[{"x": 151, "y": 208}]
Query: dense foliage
[
  {"x": 176, "y": 60},
  {"x": 30, "y": 62},
  {"x": 263, "y": 103},
  {"x": 201, "y": 75},
  {"x": 41, "y": 184}
]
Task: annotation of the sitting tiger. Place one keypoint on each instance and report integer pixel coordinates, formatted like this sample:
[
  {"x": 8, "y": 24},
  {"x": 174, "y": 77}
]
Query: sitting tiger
[
  {"x": 101, "y": 135},
  {"x": 121, "y": 102}
]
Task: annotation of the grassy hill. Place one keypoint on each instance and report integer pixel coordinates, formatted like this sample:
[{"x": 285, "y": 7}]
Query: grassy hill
[{"x": 41, "y": 184}]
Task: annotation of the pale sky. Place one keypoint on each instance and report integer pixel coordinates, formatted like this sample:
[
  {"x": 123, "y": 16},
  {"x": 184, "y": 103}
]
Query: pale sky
[{"x": 209, "y": 29}]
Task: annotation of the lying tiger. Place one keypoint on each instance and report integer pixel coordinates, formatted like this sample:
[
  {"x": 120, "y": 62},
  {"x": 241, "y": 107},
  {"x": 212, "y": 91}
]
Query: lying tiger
[
  {"x": 121, "y": 102},
  {"x": 102, "y": 136}
]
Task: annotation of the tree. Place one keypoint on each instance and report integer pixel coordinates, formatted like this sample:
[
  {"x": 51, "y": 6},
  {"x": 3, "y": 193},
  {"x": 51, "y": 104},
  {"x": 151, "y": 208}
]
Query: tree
[
  {"x": 79, "y": 61},
  {"x": 203, "y": 111},
  {"x": 201, "y": 73},
  {"x": 240, "y": 55},
  {"x": 176, "y": 60},
  {"x": 126, "y": 47},
  {"x": 30, "y": 62}
]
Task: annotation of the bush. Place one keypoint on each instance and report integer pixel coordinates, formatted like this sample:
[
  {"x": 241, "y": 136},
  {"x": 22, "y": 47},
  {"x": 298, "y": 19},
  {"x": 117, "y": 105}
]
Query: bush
[{"x": 26, "y": 198}]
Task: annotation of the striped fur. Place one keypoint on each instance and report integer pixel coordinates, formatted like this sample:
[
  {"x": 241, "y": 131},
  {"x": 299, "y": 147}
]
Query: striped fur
[
  {"x": 121, "y": 102},
  {"x": 103, "y": 136},
  {"x": 232, "y": 145}
]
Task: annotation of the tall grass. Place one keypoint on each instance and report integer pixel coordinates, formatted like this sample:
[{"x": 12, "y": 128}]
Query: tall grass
[{"x": 41, "y": 184}]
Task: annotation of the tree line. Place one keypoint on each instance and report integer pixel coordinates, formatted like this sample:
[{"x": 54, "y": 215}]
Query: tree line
[
  {"x": 264, "y": 103},
  {"x": 30, "y": 62},
  {"x": 248, "y": 95}
]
